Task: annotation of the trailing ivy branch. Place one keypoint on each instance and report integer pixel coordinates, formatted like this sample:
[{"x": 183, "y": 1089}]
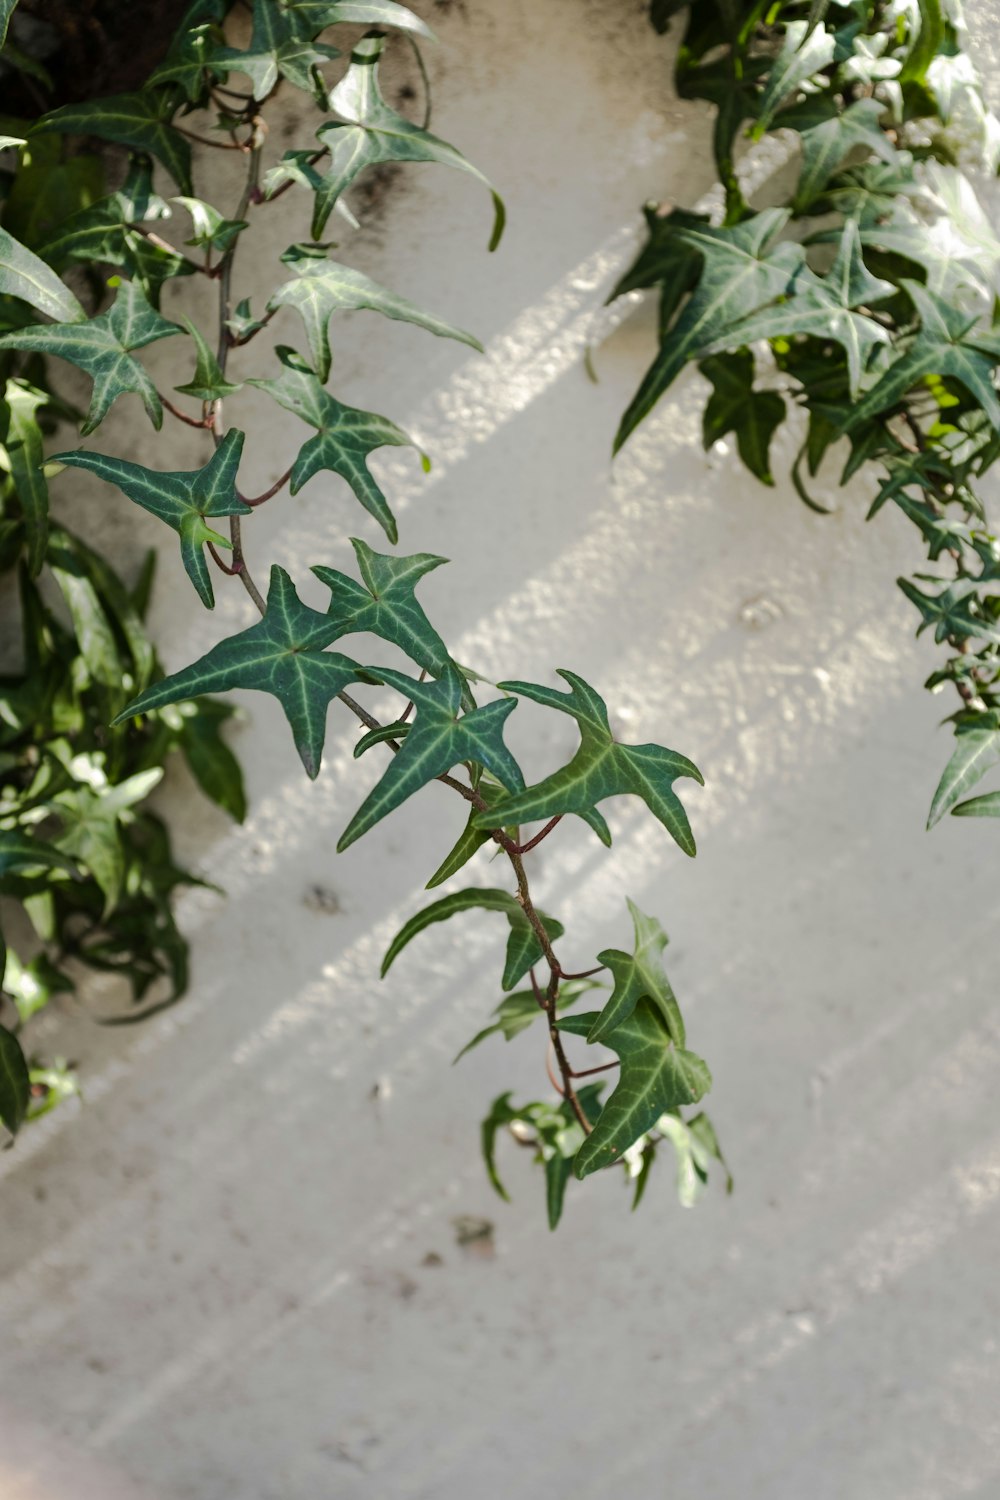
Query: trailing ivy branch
[
  {"x": 440, "y": 731},
  {"x": 880, "y": 334}
]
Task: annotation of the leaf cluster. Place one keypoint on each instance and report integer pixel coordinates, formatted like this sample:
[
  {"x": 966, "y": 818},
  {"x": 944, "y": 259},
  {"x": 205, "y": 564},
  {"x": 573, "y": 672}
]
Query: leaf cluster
[{"x": 861, "y": 311}]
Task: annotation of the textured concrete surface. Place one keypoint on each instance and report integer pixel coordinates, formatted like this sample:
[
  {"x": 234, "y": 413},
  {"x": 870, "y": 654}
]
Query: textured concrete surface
[{"x": 235, "y": 1272}]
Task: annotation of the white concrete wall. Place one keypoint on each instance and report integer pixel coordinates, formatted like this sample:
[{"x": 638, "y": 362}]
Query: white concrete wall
[{"x": 234, "y": 1272}]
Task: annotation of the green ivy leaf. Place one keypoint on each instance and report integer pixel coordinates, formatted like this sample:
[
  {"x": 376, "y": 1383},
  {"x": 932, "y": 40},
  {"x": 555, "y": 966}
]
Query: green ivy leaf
[
  {"x": 517, "y": 1012},
  {"x": 104, "y": 347},
  {"x": 523, "y": 946},
  {"x": 15, "y": 1085},
  {"x": 987, "y": 806},
  {"x": 385, "y": 604},
  {"x": 189, "y": 63},
  {"x": 211, "y": 230},
  {"x": 318, "y": 14},
  {"x": 831, "y": 136},
  {"x": 977, "y": 750},
  {"x": 469, "y": 841},
  {"x": 741, "y": 273},
  {"x": 184, "y": 499},
  {"x": 23, "y": 441},
  {"x": 656, "y": 1076},
  {"x": 210, "y": 760},
  {"x": 438, "y": 740},
  {"x": 112, "y": 230},
  {"x": 948, "y": 343},
  {"x": 7, "y": 8},
  {"x": 734, "y": 406},
  {"x": 208, "y": 382},
  {"x": 345, "y": 435},
  {"x": 94, "y": 634},
  {"x": 560, "y": 1145},
  {"x": 282, "y": 654},
  {"x": 374, "y": 133},
  {"x": 601, "y": 767},
  {"x": 804, "y": 52},
  {"x": 638, "y": 976},
  {"x": 140, "y": 120},
  {"x": 321, "y": 287},
  {"x": 823, "y": 306},
  {"x": 19, "y": 852},
  {"x": 951, "y": 612},
  {"x": 23, "y": 275},
  {"x": 281, "y": 45}
]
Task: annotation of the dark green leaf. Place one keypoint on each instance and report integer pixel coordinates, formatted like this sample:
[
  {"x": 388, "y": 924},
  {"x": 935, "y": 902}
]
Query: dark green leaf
[
  {"x": 740, "y": 274},
  {"x": 23, "y": 441},
  {"x": 500, "y": 1115},
  {"x": 103, "y": 347},
  {"x": 19, "y": 852},
  {"x": 824, "y": 308},
  {"x": 469, "y": 840},
  {"x": 282, "y": 654},
  {"x": 639, "y": 976},
  {"x": 15, "y": 1085},
  {"x": 656, "y": 1075},
  {"x": 438, "y": 740},
  {"x": 987, "y": 806},
  {"x": 523, "y": 946},
  {"x": 139, "y": 120},
  {"x": 208, "y": 382},
  {"x": 212, "y": 763},
  {"x": 834, "y": 135},
  {"x": 600, "y": 768},
  {"x": 947, "y": 344},
  {"x": 734, "y": 406},
  {"x": 184, "y": 499},
  {"x": 345, "y": 435},
  {"x": 385, "y": 604}
]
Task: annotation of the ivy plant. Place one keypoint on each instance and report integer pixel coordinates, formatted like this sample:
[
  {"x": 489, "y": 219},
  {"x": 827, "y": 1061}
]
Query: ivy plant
[
  {"x": 862, "y": 311},
  {"x": 445, "y": 728}
]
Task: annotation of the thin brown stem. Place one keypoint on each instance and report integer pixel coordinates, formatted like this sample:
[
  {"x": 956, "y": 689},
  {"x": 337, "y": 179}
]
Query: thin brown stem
[
  {"x": 220, "y": 561},
  {"x": 278, "y": 484},
  {"x": 533, "y": 843},
  {"x": 162, "y": 244},
  {"x": 601, "y": 1068},
  {"x": 204, "y": 140},
  {"x": 182, "y": 416},
  {"x": 583, "y": 974}
]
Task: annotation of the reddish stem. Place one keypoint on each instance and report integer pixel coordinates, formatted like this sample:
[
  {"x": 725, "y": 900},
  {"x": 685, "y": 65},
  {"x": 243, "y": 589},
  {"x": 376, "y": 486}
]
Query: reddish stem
[
  {"x": 221, "y": 561},
  {"x": 267, "y": 495},
  {"x": 182, "y": 416},
  {"x": 533, "y": 843},
  {"x": 583, "y": 974}
]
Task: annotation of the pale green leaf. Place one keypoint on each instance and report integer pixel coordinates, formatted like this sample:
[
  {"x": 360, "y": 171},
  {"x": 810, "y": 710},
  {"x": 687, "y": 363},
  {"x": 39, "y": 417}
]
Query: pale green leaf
[{"x": 320, "y": 287}]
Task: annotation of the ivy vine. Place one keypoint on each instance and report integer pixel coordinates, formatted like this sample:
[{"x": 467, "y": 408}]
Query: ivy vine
[
  {"x": 440, "y": 730},
  {"x": 863, "y": 310}
]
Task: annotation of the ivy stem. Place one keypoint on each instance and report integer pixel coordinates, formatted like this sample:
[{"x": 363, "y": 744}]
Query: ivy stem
[
  {"x": 204, "y": 140},
  {"x": 225, "y": 276},
  {"x": 583, "y": 974},
  {"x": 601, "y": 1068},
  {"x": 278, "y": 484},
  {"x": 220, "y": 561},
  {"x": 162, "y": 244},
  {"x": 224, "y": 273},
  {"x": 182, "y": 416},
  {"x": 533, "y": 843}
]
